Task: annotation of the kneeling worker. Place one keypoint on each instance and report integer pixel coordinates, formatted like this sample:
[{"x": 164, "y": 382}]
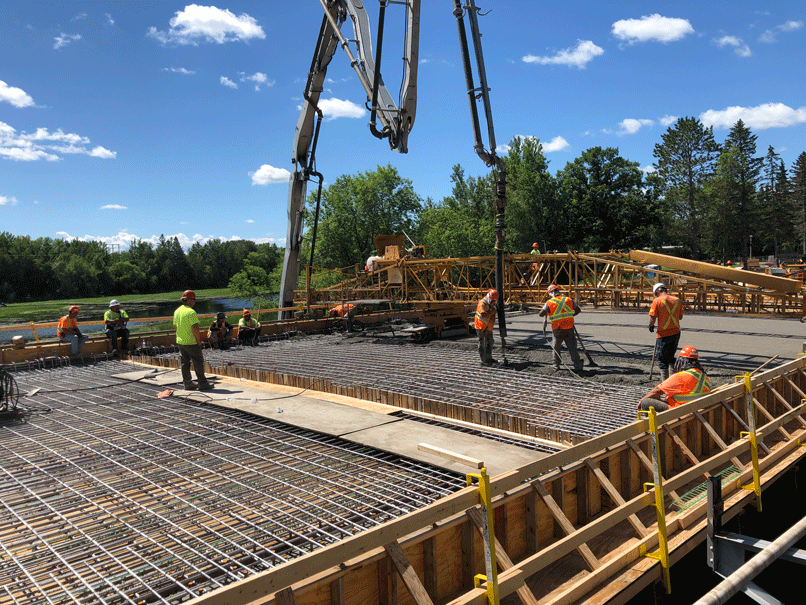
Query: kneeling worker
[
  {"x": 220, "y": 332},
  {"x": 688, "y": 382},
  {"x": 248, "y": 329}
]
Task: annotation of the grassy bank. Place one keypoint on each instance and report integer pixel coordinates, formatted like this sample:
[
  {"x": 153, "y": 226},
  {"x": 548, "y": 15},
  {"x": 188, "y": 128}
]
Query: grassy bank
[{"x": 91, "y": 308}]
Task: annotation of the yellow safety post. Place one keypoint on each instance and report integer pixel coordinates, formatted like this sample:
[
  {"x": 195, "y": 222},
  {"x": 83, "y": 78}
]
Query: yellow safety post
[
  {"x": 751, "y": 423},
  {"x": 485, "y": 499},
  {"x": 33, "y": 329},
  {"x": 662, "y": 554}
]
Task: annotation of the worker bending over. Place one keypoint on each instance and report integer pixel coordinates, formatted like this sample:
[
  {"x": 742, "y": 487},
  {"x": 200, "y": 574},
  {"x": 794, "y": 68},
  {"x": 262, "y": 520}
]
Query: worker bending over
[
  {"x": 688, "y": 382},
  {"x": 248, "y": 329},
  {"x": 668, "y": 311},
  {"x": 484, "y": 323},
  {"x": 561, "y": 311}
]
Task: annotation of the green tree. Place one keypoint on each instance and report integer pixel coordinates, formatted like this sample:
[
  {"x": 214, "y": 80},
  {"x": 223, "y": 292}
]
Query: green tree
[
  {"x": 749, "y": 168},
  {"x": 532, "y": 214},
  {"x": 722, "y": 195},
  {"x": 605, "y": 202},
  {"x": 797, "y": 191},
  {"x": 128, "y": 278},
  {"x": 355, "y": 209},
  {"x": 685, "y": 161}
]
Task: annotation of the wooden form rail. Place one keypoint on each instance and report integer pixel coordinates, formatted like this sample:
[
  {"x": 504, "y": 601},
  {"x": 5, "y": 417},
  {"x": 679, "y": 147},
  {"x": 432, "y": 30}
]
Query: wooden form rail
[{"x": 578, "y": 517}]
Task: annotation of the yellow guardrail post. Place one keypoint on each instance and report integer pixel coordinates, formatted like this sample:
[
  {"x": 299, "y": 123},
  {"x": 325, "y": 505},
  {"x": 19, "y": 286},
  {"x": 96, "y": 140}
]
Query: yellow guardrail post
[
  {"x": 33, "y": 329},
  {"x": 751, "y": 424},
  {"x": 662, "y": 554},
  {"x": 487, "y": 530}
]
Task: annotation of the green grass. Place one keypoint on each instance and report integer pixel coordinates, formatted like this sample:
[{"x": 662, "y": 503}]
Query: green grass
[{"x": 52, "y": 310}]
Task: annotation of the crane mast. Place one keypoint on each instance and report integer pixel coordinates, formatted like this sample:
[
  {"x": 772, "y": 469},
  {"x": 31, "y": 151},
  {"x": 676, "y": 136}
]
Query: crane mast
[{"x": 396, "y": 120}]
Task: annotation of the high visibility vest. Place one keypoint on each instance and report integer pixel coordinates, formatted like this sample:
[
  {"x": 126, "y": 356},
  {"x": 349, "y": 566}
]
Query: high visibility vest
[
  {"x": 671, "y": 319},
  {"x": 690, "y": 384},
  {"x": 482, "y": 322},
  {"x": 561, "y": 312}
]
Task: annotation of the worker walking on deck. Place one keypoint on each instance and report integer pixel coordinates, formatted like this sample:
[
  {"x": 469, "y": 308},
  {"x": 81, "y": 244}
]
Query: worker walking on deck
[
  {"x": 668, "y": 311},
  {"x": 484, "y": 323},
  {"x": 561, "y": 311},
  {"x": 688, "y": 382},
  {"x": 188, "y": 338}
]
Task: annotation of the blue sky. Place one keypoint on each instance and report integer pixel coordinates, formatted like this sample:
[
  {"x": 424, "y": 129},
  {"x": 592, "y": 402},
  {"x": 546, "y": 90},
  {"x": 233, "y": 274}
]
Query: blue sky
[{"x": 126, "y": 120}]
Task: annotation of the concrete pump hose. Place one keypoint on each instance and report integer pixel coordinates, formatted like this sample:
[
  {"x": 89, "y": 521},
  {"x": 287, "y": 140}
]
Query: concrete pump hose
[{"x": 745, "y": 574}]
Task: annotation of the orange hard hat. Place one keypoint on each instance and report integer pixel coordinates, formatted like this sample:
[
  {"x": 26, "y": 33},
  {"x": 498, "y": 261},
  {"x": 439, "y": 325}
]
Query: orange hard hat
[
  {"x": 729, "y": 263},
  {"x": 73, "y": 308},
  {"x": 492, "y": 293},
  {"x": 188, "y": 294},
  {"x": 535, "y": 245},
  {"x": 246, "y": 312},
  {"x": 689, "y": 352}
]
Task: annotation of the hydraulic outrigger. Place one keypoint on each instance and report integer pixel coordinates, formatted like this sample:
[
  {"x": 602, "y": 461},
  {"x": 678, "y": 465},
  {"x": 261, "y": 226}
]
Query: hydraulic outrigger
[{"x": 396, "y": 119}]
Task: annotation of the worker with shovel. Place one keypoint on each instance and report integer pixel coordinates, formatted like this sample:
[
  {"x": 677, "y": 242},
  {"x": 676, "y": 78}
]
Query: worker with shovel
[
  {"x": 561, "y": 311},
  {"x": 668, "y": 311},
  {"x": 484, "y": 322}
]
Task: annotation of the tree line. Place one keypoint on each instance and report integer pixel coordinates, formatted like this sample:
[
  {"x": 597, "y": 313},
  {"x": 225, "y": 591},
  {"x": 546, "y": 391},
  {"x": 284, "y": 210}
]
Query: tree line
[
  {"x": 704, "y": 199},
  {"x": 46, "y": 268}
]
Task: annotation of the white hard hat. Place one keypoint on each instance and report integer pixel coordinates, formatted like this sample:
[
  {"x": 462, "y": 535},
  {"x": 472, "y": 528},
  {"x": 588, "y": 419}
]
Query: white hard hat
[
  {"x": 657, "y": 287},
  {"x": 113, "y": 303}
]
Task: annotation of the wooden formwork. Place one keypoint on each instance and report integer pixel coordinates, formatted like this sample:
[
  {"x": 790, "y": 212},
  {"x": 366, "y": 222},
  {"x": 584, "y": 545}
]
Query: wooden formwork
[{"x": 572, "y": 526}]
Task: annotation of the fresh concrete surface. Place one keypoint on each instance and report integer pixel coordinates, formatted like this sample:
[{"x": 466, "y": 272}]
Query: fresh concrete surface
[{"x": 357, "y": 421}]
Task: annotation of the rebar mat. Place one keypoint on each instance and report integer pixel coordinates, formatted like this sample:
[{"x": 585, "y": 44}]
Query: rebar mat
[
  {"x": 445, "y": 374},
  {"x": 111, "y": 495}
]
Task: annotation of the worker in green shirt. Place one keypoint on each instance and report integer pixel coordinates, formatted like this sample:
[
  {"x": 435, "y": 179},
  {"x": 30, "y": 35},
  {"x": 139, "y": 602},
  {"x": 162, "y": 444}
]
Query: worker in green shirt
[{"x": 188, "y": 338}]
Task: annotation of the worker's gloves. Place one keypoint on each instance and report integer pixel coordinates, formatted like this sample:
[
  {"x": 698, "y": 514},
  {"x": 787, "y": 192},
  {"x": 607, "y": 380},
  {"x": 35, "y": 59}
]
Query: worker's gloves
[{"x": 652, "y": 328}]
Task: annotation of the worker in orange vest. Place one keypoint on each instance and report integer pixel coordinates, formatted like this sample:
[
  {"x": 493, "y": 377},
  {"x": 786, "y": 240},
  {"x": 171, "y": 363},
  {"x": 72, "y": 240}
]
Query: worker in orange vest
[
  {"x": 688, "y": 382},
  {"x": 561, "y": 311},
  {"x": 70, "y": 332},
  {"x": 484, "y": 323},
  {"x": 668, "y": 311}
]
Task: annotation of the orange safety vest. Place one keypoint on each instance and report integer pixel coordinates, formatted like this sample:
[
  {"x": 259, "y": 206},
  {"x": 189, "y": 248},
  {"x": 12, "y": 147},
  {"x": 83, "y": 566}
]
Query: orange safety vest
[
  {"x": 66, "y": 322},
  {"x": 340, "y": 310},
  {"x": 484, "y": 322},
  {"x": 561, "y": 312},
  {"x": 668, "y": 315},
  {"x": 685, "y": 386}
]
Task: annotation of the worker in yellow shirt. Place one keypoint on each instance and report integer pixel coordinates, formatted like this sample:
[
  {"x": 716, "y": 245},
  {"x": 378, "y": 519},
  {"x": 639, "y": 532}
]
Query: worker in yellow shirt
[{"x": 188, "y": 338}]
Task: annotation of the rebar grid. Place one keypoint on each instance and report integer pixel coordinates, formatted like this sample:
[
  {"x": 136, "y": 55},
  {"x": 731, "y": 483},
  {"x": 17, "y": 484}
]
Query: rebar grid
[
  {"x": 445, "y": 374},
  {"x": 116, "y": 496}
]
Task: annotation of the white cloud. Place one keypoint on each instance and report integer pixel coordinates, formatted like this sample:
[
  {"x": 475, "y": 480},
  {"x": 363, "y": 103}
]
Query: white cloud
[
  {"x": 767, "y": 115},
  {"x": 197, "y": 24},
  {"x": 249, "y": 220},
  {"x": 5, "y": 200},
  {"x": 652, "y": 28},
  {"x": 770, "y": 36},
  {"x": 648, "y": 169},
  {"x": 16, "y": 96},
  {"x": 65, "y": 39},
  {"x": 668, "y": 120},
  {"x": 45, "y": 145},
  {"x": 266, "y": 175},
  {"x": 336, "y": 108},
  {"x": 124, "y": 239},
  {"x": 631, "y": 125},
  {"x": 258, "y": 78},
  {"x": 109, "y": 19},
  {"x": 555, "y": 144},
  {"x": 179, "y": 70},
  {"x": 114, "y": 207},
  {"x": 739, "y": 46},
  {"x": 579, "y": 56},
  {"x": 225, "y": 81}
]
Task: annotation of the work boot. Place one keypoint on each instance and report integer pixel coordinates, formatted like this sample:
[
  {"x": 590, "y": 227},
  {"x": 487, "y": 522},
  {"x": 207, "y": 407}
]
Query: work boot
[
  {"x": 190, "y": 387},
  {"x": 665, "y": 373},
  {"x": 205, "y": 386}
]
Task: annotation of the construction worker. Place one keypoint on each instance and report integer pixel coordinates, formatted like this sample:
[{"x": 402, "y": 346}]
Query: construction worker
[
  {"x": 535, "y": 249},
  {"x": 248, "y": 329},
  {"x": 342, "y": 310},
  {"x": 189, "y": 340},
  {"x": 115, "y": 320},
  {"x": 220, "y": 332},
  {"x": 667, "y": 310},
  {"x": 688, "y": 382},
  {"x": 69, "y": 332},
  {"x": 561, "y": 311},
  {"x": 484, "y": 323}
]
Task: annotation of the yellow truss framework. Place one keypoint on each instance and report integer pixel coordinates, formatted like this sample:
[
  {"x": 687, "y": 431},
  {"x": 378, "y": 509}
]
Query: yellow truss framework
[{"x": 613, "y": 279}]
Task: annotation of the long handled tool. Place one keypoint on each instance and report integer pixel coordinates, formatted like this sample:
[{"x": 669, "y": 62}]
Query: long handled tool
[
  {"x": 654, "y": 353},
  {"x": 581, "y": 344}
]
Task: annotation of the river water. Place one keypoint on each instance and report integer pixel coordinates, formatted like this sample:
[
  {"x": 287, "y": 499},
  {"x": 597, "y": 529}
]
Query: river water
[{"x": 159, "y": 309}]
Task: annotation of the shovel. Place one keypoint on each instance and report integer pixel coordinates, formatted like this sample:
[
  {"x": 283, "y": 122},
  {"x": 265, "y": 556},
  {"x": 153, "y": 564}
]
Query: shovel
[{"x": 581, "y": 344}]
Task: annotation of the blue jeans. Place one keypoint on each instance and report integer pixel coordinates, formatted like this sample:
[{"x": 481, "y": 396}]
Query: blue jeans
[
  {"x": 667, "y": 347},
  {"x": 75, "y": 341}
]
